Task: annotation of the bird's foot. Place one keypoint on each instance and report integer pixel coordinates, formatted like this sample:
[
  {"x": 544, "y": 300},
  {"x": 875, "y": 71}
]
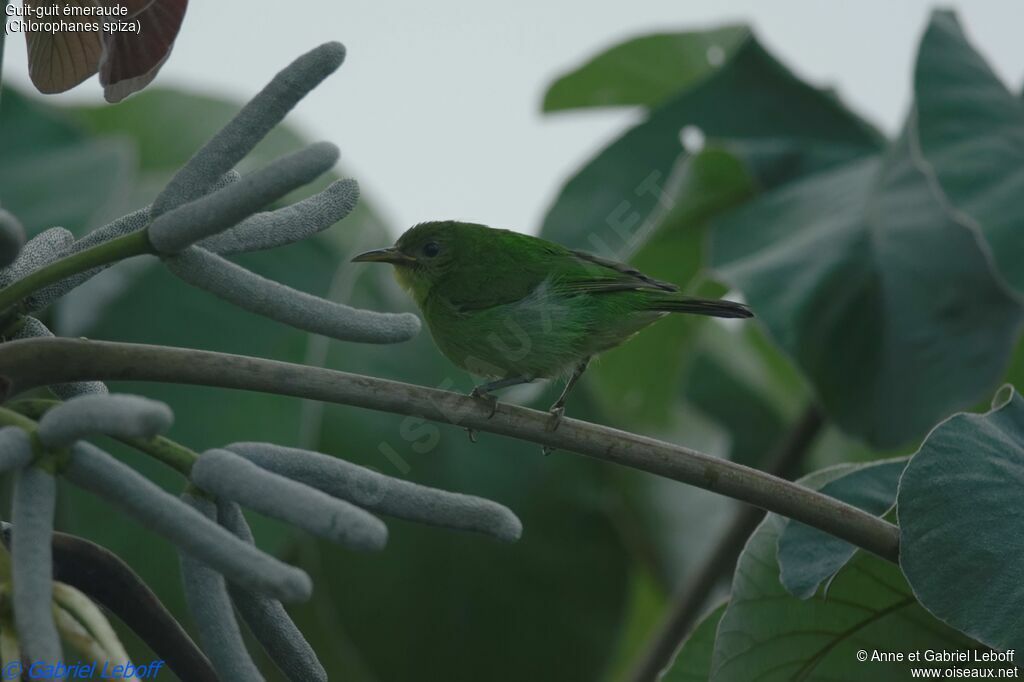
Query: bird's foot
[
  {"x": 556, "y": 412},
  {"x": 472, "y": 434},
  {"x": 486, "y": 398},
  {"x": 547, "y": 449}
]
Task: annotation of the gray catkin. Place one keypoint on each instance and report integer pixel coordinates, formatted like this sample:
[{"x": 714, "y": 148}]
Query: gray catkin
[
  {"x": 290, "y": 224},
  {"x": 33, "y": 328},
  {"x": 181, "y": 227},
  {"x": 267, "y": 619},
  {"x": 249, "y": 126},
  {"x": 35, "y": 493},
  {"x": 44, "y": 248},
  {"x": 207, "y": 596},
  {"x": 122, "y": 226},
  {"x": 133, "y": 222},
  {"x": 15, "y": 448},
  {"x": 119, "y": 415},
  {"x": 384, "y": 494},
  {"x": 134, "y": 494},
  {"x": 271, "y": 299},
  {"x": 234, "y": 478},
  {"x": 12, "y": 238}
]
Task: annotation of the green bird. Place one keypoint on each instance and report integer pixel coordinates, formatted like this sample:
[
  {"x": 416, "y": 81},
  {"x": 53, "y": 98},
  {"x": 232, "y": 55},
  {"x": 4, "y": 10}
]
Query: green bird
[{"x": 513, "y": 308}]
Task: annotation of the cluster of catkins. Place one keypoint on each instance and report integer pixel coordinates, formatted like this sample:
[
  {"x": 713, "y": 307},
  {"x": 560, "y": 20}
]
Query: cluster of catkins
[
  {"x": 206, "y": 212},
  {"x": 221, "y": 567}
]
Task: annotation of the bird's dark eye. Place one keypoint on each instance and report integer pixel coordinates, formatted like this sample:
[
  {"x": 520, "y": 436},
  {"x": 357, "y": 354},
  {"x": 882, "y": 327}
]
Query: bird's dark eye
[{"x": 431, "y": 249}]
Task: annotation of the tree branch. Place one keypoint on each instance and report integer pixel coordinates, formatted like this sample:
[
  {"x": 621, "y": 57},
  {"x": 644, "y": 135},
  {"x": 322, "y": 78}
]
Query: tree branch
[
  {"x": 688, "y": 604},
  {"x": 32, "y": 363},
  {"x": 160, "y": 448}
]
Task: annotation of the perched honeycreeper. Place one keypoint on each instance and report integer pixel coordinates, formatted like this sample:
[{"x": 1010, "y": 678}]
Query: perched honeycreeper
[{"x": 514, "y": 308}]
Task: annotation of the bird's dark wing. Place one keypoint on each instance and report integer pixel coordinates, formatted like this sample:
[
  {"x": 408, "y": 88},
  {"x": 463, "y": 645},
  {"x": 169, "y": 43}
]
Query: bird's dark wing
[
  {"x": 509, "y": 266},
  {"x": 504, "y": 268},
  {"x": 590, "y": 274}
]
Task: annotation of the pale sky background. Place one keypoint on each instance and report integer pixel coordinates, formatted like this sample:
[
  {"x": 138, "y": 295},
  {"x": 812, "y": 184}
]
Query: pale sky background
[{"x": 437, "y": 109}]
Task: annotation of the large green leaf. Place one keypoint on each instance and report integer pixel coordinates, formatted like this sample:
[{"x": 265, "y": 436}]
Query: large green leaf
[
  {"x": 693, "y": 661},
  {"x": 962, "y": 531},
  {"x": 766, "y": 634},
  {"x": 880, "y": 294},
  {"x": 751, "y": 98},
  {"x": 637, "y": 383},
  {"x": 808, "y": 556},
  {"x": 52, "y": 173},
  {"x": 644, "y": 70},
  {"x": 971, "y": 130}
]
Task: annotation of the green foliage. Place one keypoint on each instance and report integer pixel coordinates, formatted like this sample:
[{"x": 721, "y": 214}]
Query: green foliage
[
  {"x": 645, "y": 70},
  {"x": 882, "y": 274},
  {"x": 962, "y": 533},
  {"x": 971, "y": 131},
  {"x": 693, "y": 661},
  {"x": 53, "y": 173},
  {"x": 767, "y": 634},
  {"x": 877, "y": 289},
  {"x": 809, "y": 557}
]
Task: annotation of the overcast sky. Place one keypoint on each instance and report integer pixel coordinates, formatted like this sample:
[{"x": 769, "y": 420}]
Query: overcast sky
[{"x": 437, "y": 109}]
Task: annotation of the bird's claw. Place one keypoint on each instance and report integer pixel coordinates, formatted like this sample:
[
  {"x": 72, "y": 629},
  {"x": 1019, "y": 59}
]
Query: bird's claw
[
  {"x": 547, "y": 449},
  {"x": 472, "y": 434},
  {"x": 556, "y": 412},
  {"x": 487, "y": 399}
]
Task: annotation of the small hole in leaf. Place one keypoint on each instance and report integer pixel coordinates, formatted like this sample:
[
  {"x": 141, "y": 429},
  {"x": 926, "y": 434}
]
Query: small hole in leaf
[
  {"x": 716, "y": 55},
  {"x": 692, "y": 138}
]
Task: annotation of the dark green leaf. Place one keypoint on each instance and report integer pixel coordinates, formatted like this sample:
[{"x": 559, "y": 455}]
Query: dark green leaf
[
  {"x": 693, "y": 661},
  {"x": 738, "y": 378},
  {"x": 51, "y": 174},
  {"x": 648, "y": 366},
  {"x": 645, "y": 70},
  {"x": 766, "y": 634},
  {"x": 752, "y": 100},
  {"x": 808, "y": 556},
  {"x": 971, "y": 130},
  {"x": 876, "y": 290},
  {"x": 962, "y": 530}
]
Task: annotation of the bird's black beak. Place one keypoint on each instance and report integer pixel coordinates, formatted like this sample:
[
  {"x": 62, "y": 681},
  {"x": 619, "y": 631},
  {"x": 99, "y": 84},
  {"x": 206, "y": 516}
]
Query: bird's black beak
[{"x": 388, "y": 255}]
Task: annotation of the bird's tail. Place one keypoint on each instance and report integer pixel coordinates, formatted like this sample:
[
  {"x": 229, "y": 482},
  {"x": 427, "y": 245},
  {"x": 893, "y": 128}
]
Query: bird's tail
[{"x": 701, "y": 306}]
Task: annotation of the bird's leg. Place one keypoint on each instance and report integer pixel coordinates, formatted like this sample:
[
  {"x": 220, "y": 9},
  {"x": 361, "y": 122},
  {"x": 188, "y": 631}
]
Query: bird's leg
[
  {"x": 558, "y": 409},
  {"x": 483, "y": 391}
]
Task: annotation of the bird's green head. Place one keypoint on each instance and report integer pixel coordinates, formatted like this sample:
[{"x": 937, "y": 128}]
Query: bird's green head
[{"x": 425, "y": 254}]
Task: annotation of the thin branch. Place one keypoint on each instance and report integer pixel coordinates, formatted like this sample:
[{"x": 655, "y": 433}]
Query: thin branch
[
  {"x": 132, "y": 244},
  {"x": 32, "y": 363},
  {"x": 160, "y": 448},
  {"x": 688, "y": 604}
]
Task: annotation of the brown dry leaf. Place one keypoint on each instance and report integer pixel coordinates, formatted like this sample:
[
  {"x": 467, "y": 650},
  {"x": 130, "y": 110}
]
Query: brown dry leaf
[
  {"x": 59, "y": 62},
  {"x": 131, "y": 61}
]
